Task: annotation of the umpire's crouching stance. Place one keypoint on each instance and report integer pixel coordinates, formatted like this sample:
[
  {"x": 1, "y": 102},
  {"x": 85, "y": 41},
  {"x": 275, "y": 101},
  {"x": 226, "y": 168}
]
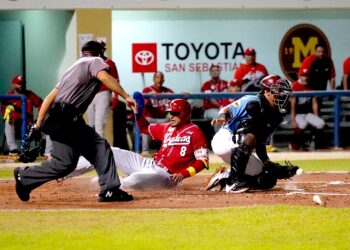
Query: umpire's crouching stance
[{"x": 61, "y": 117}]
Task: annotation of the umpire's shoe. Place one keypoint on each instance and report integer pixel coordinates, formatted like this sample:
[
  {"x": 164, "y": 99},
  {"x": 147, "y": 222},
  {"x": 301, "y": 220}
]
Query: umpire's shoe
[
  {"x": 21, "y": 190},
  {"x": 114, "y": 195}
]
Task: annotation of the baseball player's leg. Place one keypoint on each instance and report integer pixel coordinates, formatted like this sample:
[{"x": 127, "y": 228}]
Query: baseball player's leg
[
  {"x": 219, "y": 178},
  {"x": 83, "y": 167},
  {"x": 254, "y": 166},
  {"x": 301, "y": 121},
  {"x": 10, "y": 136},
  {"x": 90, "y": 112},
  {"x": 151, "y": 177},
  {"x": 126, "y": 161},
  {"x": 222, "y": 144},
  {"x": 315, "y": 121},
  {"x": 239, "y": 160},
  {"x": 145, "y": 143},
  {"x": 102, "y": 106},
  {"x": 97, "y": 151},
  {"x": 64, "y": 162},
  {"x": 129, "y": 162},
  {"x": 48, "y": 146}
]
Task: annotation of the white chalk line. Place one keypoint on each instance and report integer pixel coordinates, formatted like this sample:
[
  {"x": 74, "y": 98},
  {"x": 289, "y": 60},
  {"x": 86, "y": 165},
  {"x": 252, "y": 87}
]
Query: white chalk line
[{"x": 314, "y": 193}]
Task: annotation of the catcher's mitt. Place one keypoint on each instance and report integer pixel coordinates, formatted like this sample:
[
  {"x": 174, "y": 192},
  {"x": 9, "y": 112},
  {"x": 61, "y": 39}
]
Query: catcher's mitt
[
  {"x": 218, "y": 178},
  {"x": 30, "y": 146},
  {"x": 283, "y": 171}
]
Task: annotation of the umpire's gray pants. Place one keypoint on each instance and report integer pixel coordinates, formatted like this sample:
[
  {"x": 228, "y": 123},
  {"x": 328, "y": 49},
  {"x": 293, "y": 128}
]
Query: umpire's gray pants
[{"x": 67, "y": 147}]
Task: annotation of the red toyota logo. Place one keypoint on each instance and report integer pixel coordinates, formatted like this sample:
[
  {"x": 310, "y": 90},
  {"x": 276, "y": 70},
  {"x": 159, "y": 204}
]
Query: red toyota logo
[{"x": 144, "y": 57}]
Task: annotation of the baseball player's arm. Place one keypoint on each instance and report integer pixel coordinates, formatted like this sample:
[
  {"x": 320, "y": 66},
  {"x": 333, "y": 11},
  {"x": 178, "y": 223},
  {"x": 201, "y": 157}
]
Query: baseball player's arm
[
  {"x": 315, "y": 108},
  {"x": 143, "y": 125},
  {"x": 114, "y": 85},
  {"x": 223, "y": 116},
  {"x": 332, "y": 83},
  {"x": 345, "y": 81},
  {"x": 293, "y": 103},
  {"x": 196, "y": 167},
  {"x": 47, "y": 103}
]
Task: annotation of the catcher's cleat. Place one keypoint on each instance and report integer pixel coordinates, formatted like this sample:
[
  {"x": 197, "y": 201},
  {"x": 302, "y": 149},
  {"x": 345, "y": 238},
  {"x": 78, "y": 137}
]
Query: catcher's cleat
[
  {"x": 218, "y": 178},
  {"x": 115, "y": 195},
  {"x": 21, "y": 190},
  {"x": 237, "y": 187}
]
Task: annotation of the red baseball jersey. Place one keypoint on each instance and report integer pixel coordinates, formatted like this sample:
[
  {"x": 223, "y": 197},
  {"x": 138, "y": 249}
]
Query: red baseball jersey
[
  {"x": 112, "y": 71},
  {"x": 212, "y": 87},
  {"x": 346, "y": 66},
  {"x": 181, "y": 147},
  {"x": 249, "y": 74},
  {"x": 156, "y": 108},
  {"x": 32, "y": 100}
]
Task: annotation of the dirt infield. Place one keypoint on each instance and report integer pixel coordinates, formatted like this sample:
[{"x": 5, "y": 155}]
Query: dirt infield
[{"x": 80, "y": 193}]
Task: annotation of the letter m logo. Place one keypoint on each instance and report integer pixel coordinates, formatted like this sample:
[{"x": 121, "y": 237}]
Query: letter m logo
[{"x": 301, "y": 49}]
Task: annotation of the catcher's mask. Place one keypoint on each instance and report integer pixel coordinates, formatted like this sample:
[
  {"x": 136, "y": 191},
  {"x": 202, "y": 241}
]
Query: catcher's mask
[{"x": 280, "y": 88}]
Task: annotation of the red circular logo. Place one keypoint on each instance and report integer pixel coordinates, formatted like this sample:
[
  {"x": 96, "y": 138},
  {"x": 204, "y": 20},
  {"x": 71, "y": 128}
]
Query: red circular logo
[{"x": 299, "y": 42}]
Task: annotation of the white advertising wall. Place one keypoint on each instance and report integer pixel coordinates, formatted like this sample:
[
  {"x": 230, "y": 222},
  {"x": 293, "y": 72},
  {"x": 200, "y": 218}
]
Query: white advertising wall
[{"x": 188, "y": 42}]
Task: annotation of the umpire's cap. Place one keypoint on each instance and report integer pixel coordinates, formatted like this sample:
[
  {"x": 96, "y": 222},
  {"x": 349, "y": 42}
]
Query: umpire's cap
[{"x": 95, "y": 48}]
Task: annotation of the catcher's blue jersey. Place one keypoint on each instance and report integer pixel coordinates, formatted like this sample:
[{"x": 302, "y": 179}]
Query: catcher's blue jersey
[{"x": 238, "y": 111}]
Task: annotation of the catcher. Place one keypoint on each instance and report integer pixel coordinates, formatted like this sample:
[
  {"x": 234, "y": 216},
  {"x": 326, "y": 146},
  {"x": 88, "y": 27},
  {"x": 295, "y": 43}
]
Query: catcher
[{"x": 247, "y": 125}]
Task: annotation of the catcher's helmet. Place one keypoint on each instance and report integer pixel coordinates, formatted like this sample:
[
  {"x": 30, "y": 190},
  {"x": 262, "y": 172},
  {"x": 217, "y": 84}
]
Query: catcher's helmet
[
  {"x": 280, "y": 88},
  {"x": 182, "y": 107}
]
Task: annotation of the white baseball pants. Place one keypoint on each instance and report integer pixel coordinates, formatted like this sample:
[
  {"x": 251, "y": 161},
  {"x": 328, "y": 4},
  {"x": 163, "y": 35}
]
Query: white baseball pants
[
  {"x": 303, "y": 120},
  {"x": 222, "y": 146},
  {"x": 142, "y": 172}
]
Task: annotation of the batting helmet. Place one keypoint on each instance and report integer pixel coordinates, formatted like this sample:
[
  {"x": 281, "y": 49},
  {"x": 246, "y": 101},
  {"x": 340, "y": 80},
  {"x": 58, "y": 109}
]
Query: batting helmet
[
  {"x": 182, "y": 107},
  {"x": 280, "y": 88}
]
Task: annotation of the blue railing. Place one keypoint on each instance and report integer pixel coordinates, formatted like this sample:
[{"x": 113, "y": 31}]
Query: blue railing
[
  {"x": 336, "y": 94},
  {"x": 23, "y": 99}
]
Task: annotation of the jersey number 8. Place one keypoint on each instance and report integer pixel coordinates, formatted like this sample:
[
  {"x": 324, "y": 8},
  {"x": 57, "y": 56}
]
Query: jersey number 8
[{"x": 183, "y": 151}]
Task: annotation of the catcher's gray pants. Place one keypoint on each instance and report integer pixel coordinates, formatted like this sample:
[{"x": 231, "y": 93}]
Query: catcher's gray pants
[{"x": 68, "y": 145}]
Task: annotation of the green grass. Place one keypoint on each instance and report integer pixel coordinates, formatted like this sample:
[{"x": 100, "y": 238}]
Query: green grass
[
  {"x": 307, "y": 165},
  {"x": 258, "y": 227}
]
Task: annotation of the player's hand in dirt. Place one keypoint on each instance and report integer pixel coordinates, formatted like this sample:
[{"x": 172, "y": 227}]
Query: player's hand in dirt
[{"x": 176, "y": 178}]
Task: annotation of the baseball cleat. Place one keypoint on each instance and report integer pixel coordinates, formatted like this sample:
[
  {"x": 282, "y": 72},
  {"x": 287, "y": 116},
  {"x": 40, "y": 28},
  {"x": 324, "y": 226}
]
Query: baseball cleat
[
  {"x": 115, "y": 195},
  {"x": 22, "y": 191},
  {"x": 237, "y": 188},
  {"x": 218, "y": 178}
]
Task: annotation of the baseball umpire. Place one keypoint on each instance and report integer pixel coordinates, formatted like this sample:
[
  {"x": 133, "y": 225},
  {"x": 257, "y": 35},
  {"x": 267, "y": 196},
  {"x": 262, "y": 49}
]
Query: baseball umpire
[
  {"x": 61, "y": 117},
  {"x": 248, "y": 123}
]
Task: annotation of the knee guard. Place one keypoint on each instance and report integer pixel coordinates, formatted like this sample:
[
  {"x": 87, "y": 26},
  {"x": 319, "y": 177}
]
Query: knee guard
[{"x": 239, "y": 158}]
